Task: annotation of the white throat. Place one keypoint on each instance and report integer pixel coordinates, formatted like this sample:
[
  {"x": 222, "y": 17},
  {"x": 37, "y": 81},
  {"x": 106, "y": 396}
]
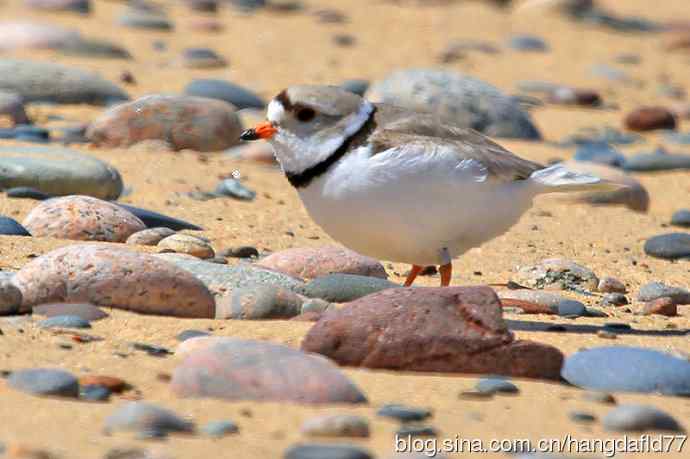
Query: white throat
[{"x": 296, "y": 154}]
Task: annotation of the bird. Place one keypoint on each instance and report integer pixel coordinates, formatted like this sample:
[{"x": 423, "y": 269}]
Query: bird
[{"x": 401, "y": 185}]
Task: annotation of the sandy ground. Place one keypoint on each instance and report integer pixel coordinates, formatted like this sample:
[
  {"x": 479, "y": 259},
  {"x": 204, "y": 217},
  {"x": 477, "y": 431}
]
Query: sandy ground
[{"x": 269, "y": 51}]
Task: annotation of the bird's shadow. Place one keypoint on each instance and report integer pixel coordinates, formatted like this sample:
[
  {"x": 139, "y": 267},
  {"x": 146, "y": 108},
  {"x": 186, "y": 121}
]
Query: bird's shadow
[{"x": 520, "y": 325}]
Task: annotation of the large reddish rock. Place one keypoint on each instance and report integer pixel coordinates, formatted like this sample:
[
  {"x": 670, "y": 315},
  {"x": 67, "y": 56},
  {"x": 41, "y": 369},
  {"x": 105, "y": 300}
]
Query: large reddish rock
[
  {"x": 115, "y": 277},
  {"x": 235, "y": 369},
  {"x": 451, "y": 329},
  {"x": 185, "y": 122},
  {"x": 650, "y": 118},
  {"x": 309, "y": 262},
  {"x": 82, "y": 218}
]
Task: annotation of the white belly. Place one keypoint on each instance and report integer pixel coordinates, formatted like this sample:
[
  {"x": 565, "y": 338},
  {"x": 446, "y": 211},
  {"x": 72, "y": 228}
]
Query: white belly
[{"x": 411, "y": 213}]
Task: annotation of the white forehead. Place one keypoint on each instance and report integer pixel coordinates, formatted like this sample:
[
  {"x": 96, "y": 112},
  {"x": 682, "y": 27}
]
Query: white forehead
[{"x": 275, "y": 111}]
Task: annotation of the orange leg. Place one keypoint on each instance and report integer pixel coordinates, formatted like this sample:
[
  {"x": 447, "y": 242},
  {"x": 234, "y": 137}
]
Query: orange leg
[
  {"x": 446, "y": 273},
  {"x": 413, "y": 275}
]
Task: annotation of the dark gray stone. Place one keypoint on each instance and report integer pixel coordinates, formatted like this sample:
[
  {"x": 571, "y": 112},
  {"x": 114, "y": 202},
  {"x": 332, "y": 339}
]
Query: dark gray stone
[
  {"x": 100, "y": 49},
  {"x": 234, "y": 189},
  {"x": 599, "y": 152},
  {"x": 10, "y": 296},
  {"x": 45, "y": 382},
  {"x": 496, "y": 386},
  {"x": 11, "y": 227},
  {"x": 404, "y": 413},
  {"x": 147, "y": 420},
  {"x": 244, "y": 251},
  {"x": 155, "y": 220},
  {"x": 140, "y": 19},
  {"x": 655, "y": 290},
  {"x": 25, "y": 192},
  {"x": 681, "y": 218},
  {"x": 220, "y": 428},
  {"x": 668, "y": 246},
  {"x": 64, "y": 322},
  {"x": 86, "y": 311},
  {"x": 639, "y": 418},
  {"x": 224, "y": 90},
  {"x": 202, "y": 58},
  {"x": 614, "y": 299},
  {"x": 341, "y": 288},
  {"x": 582, "y": 417},
  {"x": 317, "y": 451},
  {"x": 657, "y": 161},
  {"x": 571, "y": 308},
  {"x": 413, "y": 430},
  {"x": 630, "y": 369},
  {"x": 527, "y": 43},
  {"x": 94, "y": 393}
]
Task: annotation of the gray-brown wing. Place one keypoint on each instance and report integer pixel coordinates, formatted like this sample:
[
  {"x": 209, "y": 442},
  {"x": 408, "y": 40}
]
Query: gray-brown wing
[{"x": 396, "y": 126}]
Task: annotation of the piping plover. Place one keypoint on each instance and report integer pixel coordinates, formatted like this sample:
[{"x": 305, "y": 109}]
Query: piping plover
[{"x": 400, "y": 185}]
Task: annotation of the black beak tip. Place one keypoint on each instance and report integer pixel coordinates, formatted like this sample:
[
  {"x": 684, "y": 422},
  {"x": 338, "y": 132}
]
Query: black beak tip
[{"x": 248, "y": 135}]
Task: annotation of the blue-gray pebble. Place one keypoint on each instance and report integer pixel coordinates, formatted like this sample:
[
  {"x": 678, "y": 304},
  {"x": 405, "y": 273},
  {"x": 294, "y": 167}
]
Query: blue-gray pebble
[
  {"x": 496, "y": 385},
  {"x": 64, "y": 322},
  {"x": 234, "y": 189},
  {"x": 44, "y": 381},
  {"x": 681, "y": 218},
  {"x": 341, "y": 288},
  {"x": 326, "y": 451},
  {"x": 599, "y": 152},
  {"x": 670, "y": 246},
  {"x": 639, "y": 418},
  {"x": 11, "y": 227},
  {"x": 224, "y": 90},
  {"x": 220, "y": 428},
  {"x": 404, "y": 413}
]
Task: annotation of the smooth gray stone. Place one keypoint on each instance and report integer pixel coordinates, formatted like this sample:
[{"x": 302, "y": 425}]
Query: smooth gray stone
[
  {"x": 58, "y": 172},
  {"x": 224, "y": 90},
  {"x": 656, "y": 290},
  {"x": 220, "y": 428},
  {"x": 11, "y": 227},
  {"x": 341, "y": 288},
  {"x": 147, "y": 419},
  {"x": 64, "y": 321},
  {"x": 235, "y": 189},
  {"x": 38, "y": 81},
  {"x": 652, "y": 162},
  {"x": 10, "y": 296},
  {"x": 639, "y": 418},
  {"x": 44, "y": 381},
  {"x": 668, "y": 246},
  {"x": 681, "y": 218}
]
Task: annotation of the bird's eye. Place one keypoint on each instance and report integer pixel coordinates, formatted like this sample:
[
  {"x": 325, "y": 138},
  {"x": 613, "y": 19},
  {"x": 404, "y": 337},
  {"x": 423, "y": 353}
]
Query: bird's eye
[{"x": 306, "y": 114}]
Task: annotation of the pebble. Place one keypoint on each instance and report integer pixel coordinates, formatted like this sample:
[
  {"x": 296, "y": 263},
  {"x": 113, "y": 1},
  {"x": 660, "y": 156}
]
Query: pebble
[
  {"x": 81, "y": 218},
  {"x": 10, "y": 298},
  {"x": 574, "y": 96},
  {"x": 11, "y": 227},
  {"x": 184, "y": 122},
  {"x": 404, "y": 413},
  {"x": 620, "y": 368},
  {"x": 189, "y": 334},
  {"x": 341, "y": 288},
  {"x": 406, "y": 329},
  {"x": 147, "y": 420},
  {"x": 316, "y": 305},
  {"x": 245, "y": 251},
  {"x": 618, "y": 327},
  {"x": 234, "y": 189},
  {"x": 235, "y": 369},
  {"x": 582, "y": 417},
  {"x": 680, "y": 138},
  {"x": 248, "y": 5},
  {"x": 112, "y": 383},
  {"x": 99, "y": 49},
  {"x": 565, "y": 274},
  {"x": 202, "y": 58},
  {"x": 309, "y": 263},
  {"x": 527, "y": 43},
  {"x": 155, "y": 220},
  {"x": 150, "y": 236},
  {"x": 547, "y": 300},
  {"x": 12, "y": 106},
  {"x": 356, "y": 86},
  {"x": 412, "y": 430},
  {"x": 115, "y": 277},
  {"x": 224, "y": 90},
  {"x": 326, "y": 451},
  {"x": 344, "y": 40},
  {"x": 611, "y": 285},
  {"x": 58, "y": 172},
  {"x": 139, "y": 19},
  {"x": 205, "y": 6},
  {"x": 614, "y": 299},
  {"x": 187, "y": 244},
  {"x": 25, "y": 192},
  {"x": 668, "y": 246},
  {"x": 78, "y": 6},
  {"x": 259, "y": 302},
  {"x": 94, "y": 393},
  {"x": 64, "y": 321},
  {"x": 206, "y": 25},
  {"x": 44, "y": 382},
  {"x": 18, "y": 35},
  {"x": 661, "y": 306},
  {"x": 650, "y": 118},
  {"x": 463, "y": 100},
  {"x": 681, "y": 218},
  {"x": 331, "y": 16},
  {"x": 600, "y": 153},
  {"x": 496, "y": 386},
  {"x": 639, "y": 418},
  {"x": 219, "y": 429},
  {"x": 571, "y": 308},
  {"x": 599, "y": 397},
  {"x": 338, "y": 425},
  {"x": 50, "y": 82},
  {"x": 656, "y": 290},
  {"x": 610, "y": 73},
  {"x": 659, "y": 160}
]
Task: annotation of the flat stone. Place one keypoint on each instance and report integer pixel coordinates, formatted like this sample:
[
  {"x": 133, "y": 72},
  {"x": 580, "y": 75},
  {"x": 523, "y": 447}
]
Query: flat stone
[
  {"x": 150, "y": 236},
  {"x": 224, "y": 90},
  {"x": 235, "y": 369},
  {"x": 413, "y": 430},
  {"x": 187, "y": 244},
  {"x": 38, "y": 81},
  {"x": 655, "y": 290},
  {"x": 650, "y": 118},
  {"x": 565, "y": 274},
  {"x": 309, "y": 263},
  {"x": 259, "y": 302},
  {"x": 219, "y": 429},
  {"x": 668, "y": 246},
  {"x": 155, "y": 220},
  {"x": 58, "y": 172},
  {"x": 202, "y": 58},
  {"x": 326, "y": 451},
  {"x": 25, "y": 192},
  {"x": 115, "y": 277},
  {"x": 527, "y": 43},
  {"x": 139, "y": 19},
  {"x": 338, "y": 425},
  {"x": 629, "y": 369},
  {"x": 496, "y": 386},
  {"x": 223, "y": 279},
  {"x": 235, "y": 189},
  {"x": 639, "y": 418},
  {"x": 64, "y": 321},
  {"x": 244, "y": 251},
  {"x": 456, "y": 329},
  {"x": 11, "y": 227},
  {"x": 185, "y": 122},
  {"x": 98, "y": 49},
  {"x": 10, "y": 298},
  {"x": 599, "y": 152},
  {"x": 461, "y": 100},
  {"x": 82, "y": 218},
  {"x": 404, "y": 413},
  {"x": 147, "y": 420},
  {"x": 78, "y": 6},
  {"x": 582, "y": 417},
  {"x": 17, "y": 35},
  {"x": 681, "y": 218},
  {"x": 44, "y": 382},
  {"x": 341, "y": 288},
  {"x": 657, "y": 161}
]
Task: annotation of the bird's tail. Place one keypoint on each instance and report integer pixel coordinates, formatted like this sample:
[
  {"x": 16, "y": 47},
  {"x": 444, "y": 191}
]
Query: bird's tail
[{"x": 558, "y": 179}]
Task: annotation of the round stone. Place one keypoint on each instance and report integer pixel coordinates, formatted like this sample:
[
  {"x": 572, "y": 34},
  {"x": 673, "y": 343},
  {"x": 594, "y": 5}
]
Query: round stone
[
  {"x": 150, "y": 236},
  {"x": 681, "y": 218},
  {"x": 44, "y": 381},
  {"x": 496, "y": 385},
  {"x": 82, "y": 218},
  {"x": 10, "y": 298},
  {"x": 639, "y": 418},
  {"x": 668, "y": 246},
  {"x": 147, "y": 420},
  {"x": 220, "y": 428},
  {"x": 187, "y": 244},
  {"x": 259, "y": 302}
]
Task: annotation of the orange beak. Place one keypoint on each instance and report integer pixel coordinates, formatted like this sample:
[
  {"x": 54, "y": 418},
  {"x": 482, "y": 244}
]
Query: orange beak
[{"x": 264, "y": 130}]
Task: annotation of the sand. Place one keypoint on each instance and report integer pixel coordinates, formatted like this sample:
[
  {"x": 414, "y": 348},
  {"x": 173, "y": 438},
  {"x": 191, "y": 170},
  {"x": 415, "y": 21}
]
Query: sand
[{"x": 269, "y": 51}]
